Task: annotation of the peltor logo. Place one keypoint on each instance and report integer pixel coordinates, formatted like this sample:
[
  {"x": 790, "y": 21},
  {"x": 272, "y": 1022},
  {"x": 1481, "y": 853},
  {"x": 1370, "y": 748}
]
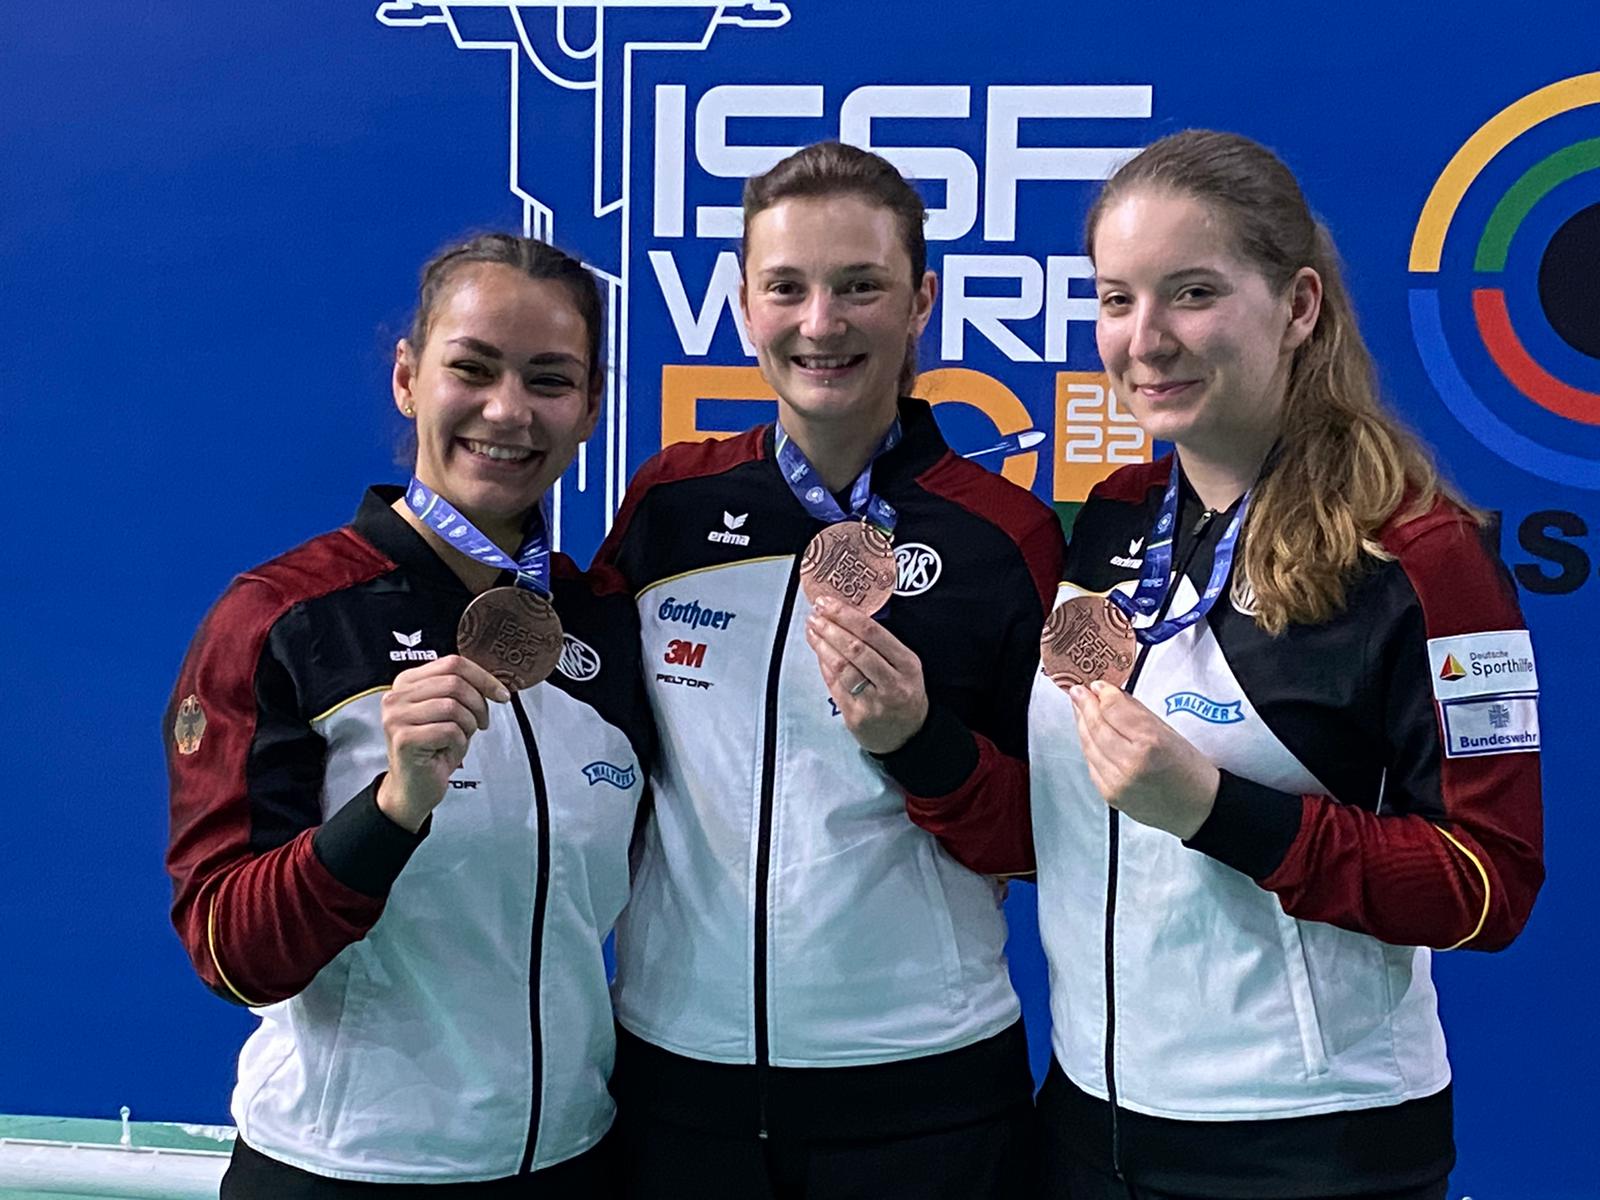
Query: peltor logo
[
  {"x": 1452, "y": 668},
  {"x": 1502, "y": 295}
]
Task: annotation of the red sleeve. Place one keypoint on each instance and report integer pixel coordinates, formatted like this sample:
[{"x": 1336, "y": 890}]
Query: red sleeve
[
  {"x": 264, "y": 894},
  {"x": 984, "y": 823},
  {"x": 960, "y": 786},
  {"x": 1460, "y": 861}
]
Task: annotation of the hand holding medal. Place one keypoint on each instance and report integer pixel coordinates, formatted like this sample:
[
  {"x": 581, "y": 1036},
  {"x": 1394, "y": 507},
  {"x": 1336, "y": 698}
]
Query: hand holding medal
[
  {"x": 848, "y": 573},
  {"x": 430, "y": 714},
  {"x": 875, "y": 679},
  {"x": 1090, "y": 649}
]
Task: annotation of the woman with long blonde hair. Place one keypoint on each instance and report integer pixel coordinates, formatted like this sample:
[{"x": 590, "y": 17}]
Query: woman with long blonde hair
[{"x": 1283, "y": 747}]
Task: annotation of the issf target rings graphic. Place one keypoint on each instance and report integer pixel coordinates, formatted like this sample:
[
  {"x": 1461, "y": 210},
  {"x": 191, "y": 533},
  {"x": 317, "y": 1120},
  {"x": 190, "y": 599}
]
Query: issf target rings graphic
[{"x": 1504, "y": 306}]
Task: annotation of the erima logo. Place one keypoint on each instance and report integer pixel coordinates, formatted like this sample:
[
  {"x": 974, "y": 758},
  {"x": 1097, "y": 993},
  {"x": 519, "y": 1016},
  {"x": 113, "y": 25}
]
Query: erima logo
[
  {"x": 579, "y": 662},
  {"x": 1452, "y": 668},
  {"x": 1132, "y": 560},
  {"x": 726, "y": 536},
  {"x": 411, "y": 654},
  {"x": 917, "y": 567},
  {"x": 1205, "y": 708},
  {"x": 604, "y": 772}
]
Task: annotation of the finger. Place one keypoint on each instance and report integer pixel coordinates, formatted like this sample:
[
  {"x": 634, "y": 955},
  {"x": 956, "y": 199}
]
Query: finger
[
  {"x": 864, "y": 657},
  {"x": 417, "y": 743},
  {"x": 1101, "y": 770},
  {"x": 478, "y": 677},
  {"x": 443, "y": 687},
  {"x": 1113, "y": 740},
  {"x": 462, "y": 667},
  {"x": 1121, "y": 711},
  {"x": 441, "y": 711},
  {"x": 871, "y": 632},
  {"x": 838, "y": 673}
]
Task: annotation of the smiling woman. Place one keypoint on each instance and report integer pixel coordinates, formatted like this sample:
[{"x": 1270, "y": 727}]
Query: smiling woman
[
  {"x": 1264, "y": 785},
  {"x": 811, "y": 974},
  {"x": 403, "y": 858}
]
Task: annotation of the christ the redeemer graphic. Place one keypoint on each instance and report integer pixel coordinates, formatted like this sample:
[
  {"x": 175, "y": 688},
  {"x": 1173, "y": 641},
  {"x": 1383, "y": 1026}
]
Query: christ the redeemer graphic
[{"x": 571, "y": 69}]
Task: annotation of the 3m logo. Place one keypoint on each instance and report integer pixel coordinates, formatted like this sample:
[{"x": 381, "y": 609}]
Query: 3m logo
[
  {"x": 1452, "y": 668},
  {"x": 726, "y": 535},
  {"x": 685, "y": 654},
  {"x": 411, "y": 653}
]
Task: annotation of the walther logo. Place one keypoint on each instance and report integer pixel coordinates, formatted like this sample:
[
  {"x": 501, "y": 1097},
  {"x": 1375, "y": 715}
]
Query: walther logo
[
  {"x": 604, "y": 772},
  {"x": 1197, "y": 705}
]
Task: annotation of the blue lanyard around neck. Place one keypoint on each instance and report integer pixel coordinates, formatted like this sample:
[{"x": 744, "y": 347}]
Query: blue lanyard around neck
[
  {"x": 1155, "y": 577},
  {"x": 532, "y": 560},
  {"x": 806, "y": 483}
]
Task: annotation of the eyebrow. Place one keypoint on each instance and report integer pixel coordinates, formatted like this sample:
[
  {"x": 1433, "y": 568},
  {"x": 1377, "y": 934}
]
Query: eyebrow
[
  {"x": 852, "y": 269},
  {"x": 489, "y": 350},
  {"x": 1173, "y": 277}
]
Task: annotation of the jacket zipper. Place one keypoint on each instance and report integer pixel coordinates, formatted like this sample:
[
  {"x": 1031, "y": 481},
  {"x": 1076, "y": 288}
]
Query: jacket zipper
[
  {"x": 541, "y": 895},
  {"x": 1112, "y": 846},
  {"x": 769, "y": 767}
]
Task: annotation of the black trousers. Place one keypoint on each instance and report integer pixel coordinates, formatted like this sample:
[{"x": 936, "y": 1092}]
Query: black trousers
[
  {"x": 1064, "y": 1177},
  {"x": 989, "y": 1160},
  {"x": 251, "y": 1175}
]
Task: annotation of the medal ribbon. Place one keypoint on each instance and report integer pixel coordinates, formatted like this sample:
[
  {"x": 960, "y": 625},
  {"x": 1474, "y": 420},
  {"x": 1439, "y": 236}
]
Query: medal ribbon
[
  {"x": 532, "y": 560},
  {"x": 1155, "y": 576},
  {"x": 814, "y": 496}
]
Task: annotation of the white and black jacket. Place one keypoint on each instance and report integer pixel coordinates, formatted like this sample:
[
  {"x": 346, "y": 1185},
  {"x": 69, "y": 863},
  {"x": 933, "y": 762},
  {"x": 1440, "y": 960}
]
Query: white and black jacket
[
  {"x": 787, "y": 911},
  {"x": 1250, "y": 1013},
  {"x": 433, "y": 1007}
]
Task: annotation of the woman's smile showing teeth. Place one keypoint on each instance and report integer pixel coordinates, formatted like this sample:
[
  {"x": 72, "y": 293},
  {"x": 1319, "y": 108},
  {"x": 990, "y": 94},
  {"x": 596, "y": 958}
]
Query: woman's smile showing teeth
[
  {"x": 827, "y": 363},
  {"x": 497, "y": 452}
]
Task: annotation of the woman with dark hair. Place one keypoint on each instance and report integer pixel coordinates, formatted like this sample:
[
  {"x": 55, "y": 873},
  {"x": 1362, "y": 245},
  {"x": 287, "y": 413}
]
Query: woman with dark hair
[
  {"x": 811, "y": 977},
  {"x": 1286, "y": 754},
  {"x": 406, "y": 759}
]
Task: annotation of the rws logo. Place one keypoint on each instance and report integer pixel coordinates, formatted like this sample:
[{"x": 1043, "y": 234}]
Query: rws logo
[{"x": 917, "y": 568}]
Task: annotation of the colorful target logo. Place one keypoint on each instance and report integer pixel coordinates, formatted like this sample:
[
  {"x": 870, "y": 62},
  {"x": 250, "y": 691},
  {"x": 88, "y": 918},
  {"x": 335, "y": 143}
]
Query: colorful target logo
[{"x": 1505, "y": 297}]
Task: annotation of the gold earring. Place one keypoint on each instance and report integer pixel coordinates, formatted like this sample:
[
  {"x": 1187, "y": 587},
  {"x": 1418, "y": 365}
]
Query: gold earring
[{"x": 409, "y": 411}]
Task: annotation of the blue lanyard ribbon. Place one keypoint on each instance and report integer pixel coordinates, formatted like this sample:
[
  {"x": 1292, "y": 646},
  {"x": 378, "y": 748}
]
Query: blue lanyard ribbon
[
  {"x": 814, "y": 496},
  {"x": 532, "y": 560},
  {"x": 1155, "y": 577}
]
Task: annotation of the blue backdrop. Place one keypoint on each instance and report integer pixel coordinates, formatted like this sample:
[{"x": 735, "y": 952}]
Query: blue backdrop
[{"x": 211, "y": 217}]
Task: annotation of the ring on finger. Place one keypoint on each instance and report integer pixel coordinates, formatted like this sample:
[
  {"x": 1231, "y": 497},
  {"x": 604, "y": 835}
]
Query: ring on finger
[{"x": 861, "y": 687}]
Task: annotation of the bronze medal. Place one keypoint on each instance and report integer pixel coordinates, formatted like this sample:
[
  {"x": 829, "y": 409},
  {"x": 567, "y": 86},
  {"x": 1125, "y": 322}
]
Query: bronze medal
[
  {"x": 1085, "y": 639},
  {"x": 513, "y": 633},
  {"x": 851, "y": 561}
]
